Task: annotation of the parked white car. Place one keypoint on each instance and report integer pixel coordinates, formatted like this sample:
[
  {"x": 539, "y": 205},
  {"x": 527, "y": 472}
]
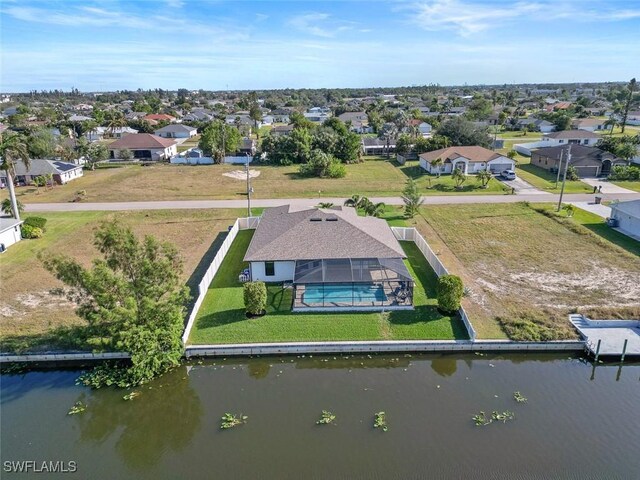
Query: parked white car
[{"x": 508, "y": 175}]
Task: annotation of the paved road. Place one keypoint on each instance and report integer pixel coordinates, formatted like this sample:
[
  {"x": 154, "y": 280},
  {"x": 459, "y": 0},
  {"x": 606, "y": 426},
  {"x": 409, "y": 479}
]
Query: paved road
[{"x": 429, "y": 200}]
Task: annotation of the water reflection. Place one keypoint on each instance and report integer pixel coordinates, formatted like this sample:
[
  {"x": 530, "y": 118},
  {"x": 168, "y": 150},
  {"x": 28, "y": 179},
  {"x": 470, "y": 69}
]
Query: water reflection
[
  {"x": 164, "y": 418},
  {"x": 444, "y": 366}
]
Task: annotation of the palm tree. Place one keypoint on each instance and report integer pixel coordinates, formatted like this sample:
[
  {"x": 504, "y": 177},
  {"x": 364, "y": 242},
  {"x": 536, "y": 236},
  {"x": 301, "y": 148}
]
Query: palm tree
[
  {"x": 374, "y": 209},
  {"x": 12, "y": 150},
  {"x": 632, "y": 86},
  {"x": 437, "y": 164},
  {"x": 355, "y": 201},
  {"x": 7, "y": 208},
  {"x": 325, "y": 205},
  {"x": 484, "y": 176},
  {"x": 115, "y": 120},
  {"x": 611, "y": 122},
  {"x": 459, "y": 177}
]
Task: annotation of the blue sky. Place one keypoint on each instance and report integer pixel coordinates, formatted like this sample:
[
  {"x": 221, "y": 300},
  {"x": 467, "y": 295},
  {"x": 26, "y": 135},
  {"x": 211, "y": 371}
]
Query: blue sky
[{"x": 108, "y": 45}]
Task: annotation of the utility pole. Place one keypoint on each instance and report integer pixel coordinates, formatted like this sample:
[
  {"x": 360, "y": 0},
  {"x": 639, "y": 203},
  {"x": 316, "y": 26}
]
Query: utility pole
[
  {"x": 564, "y": 178},
  {"x": 249, "y": 188},
  {"x": 559, "y": 167}
]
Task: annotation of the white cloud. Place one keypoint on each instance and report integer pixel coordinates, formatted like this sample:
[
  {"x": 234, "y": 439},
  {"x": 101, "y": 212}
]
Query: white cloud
[
  {"x": 467, "y": 18},
  {"x": 174, "y": 3},
  {"x": 312, "y": 23}
]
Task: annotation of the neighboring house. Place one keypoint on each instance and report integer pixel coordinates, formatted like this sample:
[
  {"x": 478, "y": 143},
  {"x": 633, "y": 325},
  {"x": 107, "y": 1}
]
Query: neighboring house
[
  {"x": 588, "y": 124},
  {"x": 333, "y": 258},
  {"x": 198, "y": 116},
  {"x": 144, "y": 146},
  {"x": 354, "y": 117},
  {"x": 536, "y": 125},
  {"x": 317, "y": 114},
  {"x": 557, "y": 106},
  {"x": 176, "y": 130},
  {"x": 281, "y": 130},
  {"x": 160, "y": 117},
  {"x": 101, "y": 133},
  {"x": 62, "y": 172},
  {"x": 79, "y": 118},
  {"x": 633, "y": 118},
  {"x": 579, "y": 137},
  {"x": 467, "y": 159},
  {"x": 378, "y": 146},
  {"x": 627, "y": 216},
  {"x": 10, "y": 232},
  {"x": 423, "y": 127},
  {"x": 247, "y": 146},
  {"x": 241, "y": 119},
  {"x": 588, "y": 161}
]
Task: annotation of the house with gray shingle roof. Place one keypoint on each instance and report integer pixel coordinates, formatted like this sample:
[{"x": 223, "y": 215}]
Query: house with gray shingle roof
[
  {"x": 176, "y": 130},
  {"x": 333, "y": 259},
  {"x": 61, "y": 172}
]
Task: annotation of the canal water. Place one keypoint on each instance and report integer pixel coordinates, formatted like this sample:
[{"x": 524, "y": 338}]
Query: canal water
[{"x": 579, "y": 422}]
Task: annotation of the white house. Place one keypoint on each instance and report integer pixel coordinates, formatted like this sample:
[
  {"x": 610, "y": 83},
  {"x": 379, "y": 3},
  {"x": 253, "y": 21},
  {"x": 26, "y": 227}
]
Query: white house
[
  {"x": 627, "y": 215},
  {"x": 176, "y": 130},
  {"x": 100, "y": 133},
  {"x": 61, "y": 172},
  {"x": 333, "y": 258},
  {"x": 144, "y": 146},
  {"x": 589, "y": 124},
  {"x": 467, "y": 159},
  {"x": 563, "y": 137},
  {"x": 9, "y": 232}
]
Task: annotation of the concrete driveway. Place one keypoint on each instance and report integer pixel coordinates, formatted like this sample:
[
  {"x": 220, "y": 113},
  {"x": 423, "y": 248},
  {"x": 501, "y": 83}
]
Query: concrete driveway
[
  {"x": 607, "y": 187},
  {"x": 521, "y": 187}
]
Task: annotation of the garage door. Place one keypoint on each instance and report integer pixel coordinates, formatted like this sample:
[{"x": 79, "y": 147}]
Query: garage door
[
  {"x": 499, "y": 167},
  {"x": 587, "y": 171}
]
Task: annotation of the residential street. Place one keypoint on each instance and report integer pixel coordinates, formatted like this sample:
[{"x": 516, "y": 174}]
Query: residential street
[{"x": 430, "y": 200}]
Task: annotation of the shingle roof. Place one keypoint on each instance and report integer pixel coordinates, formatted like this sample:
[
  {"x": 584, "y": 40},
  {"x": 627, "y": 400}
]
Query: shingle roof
[
  {"x": 631, "y": 207},
  {"x": 42, "y": 167},
  {"x": 568, "y": 134},
  {"x": 310, "y": 234},
  {"x": 176, "y": 127},
  {"x": 136, "y": 141},
  {"x": 578, "y": 152},
  {"x": 473, "y": 153},
  {"x": 7, "y": 223}
]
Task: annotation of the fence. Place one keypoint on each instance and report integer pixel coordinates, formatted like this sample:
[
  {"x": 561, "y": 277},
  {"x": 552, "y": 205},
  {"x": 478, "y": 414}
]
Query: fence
[
  {"x": 412, "y": 235},
  {"x": 62, "y": 357},
  {"x": 240, "y": 224}
]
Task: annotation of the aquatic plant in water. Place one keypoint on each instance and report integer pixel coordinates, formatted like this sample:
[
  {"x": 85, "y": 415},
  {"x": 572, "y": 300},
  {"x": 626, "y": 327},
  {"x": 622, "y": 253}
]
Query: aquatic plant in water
[
  {"x": 481, "y": 419},
  {"x": 518, "y": 397},
  {"x": 380, "y": 421},
  {"x": 503, "y": 417},
  {"x": 326, "y": 418},
  {"x": 78, "y": 407},
  {"x": 230, "y": 420},
  {"x": 131, "y": 396}
]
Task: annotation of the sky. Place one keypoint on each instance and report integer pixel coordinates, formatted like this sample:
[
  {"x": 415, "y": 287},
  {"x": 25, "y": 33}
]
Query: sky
[{"x": 243, "y": 45}]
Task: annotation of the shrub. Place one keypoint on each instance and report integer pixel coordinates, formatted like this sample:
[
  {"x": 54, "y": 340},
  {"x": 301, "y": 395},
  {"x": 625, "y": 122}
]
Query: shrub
[
  {"x": 255, "y": 297},
  {"x": 31, "y": 232},
  {"x": 38, "y": 222},
  {"x": 450, "y": 291},
  {"x": 621, "y": 172},
  {"x": 572, "y": 173}
]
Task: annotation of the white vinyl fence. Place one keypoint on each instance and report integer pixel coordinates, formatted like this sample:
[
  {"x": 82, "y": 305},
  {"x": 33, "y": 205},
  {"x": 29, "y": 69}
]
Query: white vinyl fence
[
  {"x": 240, "y": 224},
  {"x": 411, "y": 234}
]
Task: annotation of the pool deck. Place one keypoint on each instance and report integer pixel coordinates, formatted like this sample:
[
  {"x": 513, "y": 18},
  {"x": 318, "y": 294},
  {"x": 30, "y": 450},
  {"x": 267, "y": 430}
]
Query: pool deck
[{"x": 611, "y": 334}]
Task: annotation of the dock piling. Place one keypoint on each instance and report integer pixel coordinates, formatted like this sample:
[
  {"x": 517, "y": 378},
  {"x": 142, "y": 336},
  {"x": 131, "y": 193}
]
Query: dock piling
[
  {"x": 624, "y": 350},
  {"x": 598, "y": 349}
]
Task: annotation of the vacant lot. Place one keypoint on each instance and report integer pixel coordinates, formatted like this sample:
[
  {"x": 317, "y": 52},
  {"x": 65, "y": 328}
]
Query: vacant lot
[
  {"x": 631, "y": 185},
  {"x": 374, "y": 177},
  {"x": 31, "y": 317},
  {"x": 527, "y": 271},
  {"x": 222, "y": 319}
]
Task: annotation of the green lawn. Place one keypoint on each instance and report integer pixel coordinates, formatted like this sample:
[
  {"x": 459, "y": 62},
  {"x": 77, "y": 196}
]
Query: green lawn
[
  {"x": 631, "y": 185},
  {"x": 432, "y": 185},
  {"x": 221, "y": 318},
  {"x": 597, "y": 225},
  {"x": 545, "y": 180}
]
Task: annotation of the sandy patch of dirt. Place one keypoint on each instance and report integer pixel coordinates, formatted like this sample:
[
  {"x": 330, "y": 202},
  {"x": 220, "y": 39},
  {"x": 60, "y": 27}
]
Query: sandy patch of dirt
[{"x": 241, "y": 175}]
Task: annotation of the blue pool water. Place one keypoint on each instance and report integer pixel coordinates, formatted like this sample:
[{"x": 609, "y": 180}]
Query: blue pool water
[{"x": 343, "y": 293}]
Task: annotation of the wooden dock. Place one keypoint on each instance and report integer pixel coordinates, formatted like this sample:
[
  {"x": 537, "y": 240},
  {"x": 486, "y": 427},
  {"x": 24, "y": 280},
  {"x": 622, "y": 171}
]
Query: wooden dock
[{"x": 611, "y": 338}]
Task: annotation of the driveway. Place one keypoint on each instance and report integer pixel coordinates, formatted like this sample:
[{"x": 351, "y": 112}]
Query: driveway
[
  {"x": 607, "y": 187},
  {"x": 521, "y": 187},
  {"x": 597, "y": 208}
]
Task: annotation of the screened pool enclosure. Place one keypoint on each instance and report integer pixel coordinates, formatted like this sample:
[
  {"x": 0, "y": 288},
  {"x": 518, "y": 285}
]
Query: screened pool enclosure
[{"x": 348, "y": 283}]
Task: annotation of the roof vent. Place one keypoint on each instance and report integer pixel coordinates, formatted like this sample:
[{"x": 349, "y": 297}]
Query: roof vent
[
  {"x": 315, "y": 219},
  {"x": 331, "y": 219}
]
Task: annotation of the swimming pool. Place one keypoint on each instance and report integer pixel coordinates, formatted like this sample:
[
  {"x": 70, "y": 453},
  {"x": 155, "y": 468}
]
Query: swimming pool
[{"x": 343, "y": 293}]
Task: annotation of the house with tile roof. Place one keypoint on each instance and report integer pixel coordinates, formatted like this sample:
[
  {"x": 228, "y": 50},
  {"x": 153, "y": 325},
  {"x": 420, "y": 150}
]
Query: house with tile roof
[
  {"x": 144, "y": 146},
  {"x": 333, "y": 259},
  {"x": 467, "y": 159}
]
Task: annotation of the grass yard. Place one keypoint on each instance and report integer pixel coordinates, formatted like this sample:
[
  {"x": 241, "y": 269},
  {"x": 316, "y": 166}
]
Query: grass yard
[
  {"x": 222, "y": 318},
  {"x": 432, "y": 185},
  {"x": 527, "y": 270},
  {"x": 631, "y": 185},
  {"x": 597, "y": 225},
  {"x": 34, "y": 319},
  {"x": 374, "y": 177}
]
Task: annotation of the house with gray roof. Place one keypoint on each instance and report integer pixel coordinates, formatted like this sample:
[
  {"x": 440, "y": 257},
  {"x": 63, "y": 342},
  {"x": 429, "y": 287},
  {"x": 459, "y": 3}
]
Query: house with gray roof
[
  {"x": 176, "y": 130},
  {"x": 333, "y": 259},
  {"x": 61, "y": 172}
]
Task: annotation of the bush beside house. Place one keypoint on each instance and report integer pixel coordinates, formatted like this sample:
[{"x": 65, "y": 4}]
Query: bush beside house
[{"x": 255, "y": 298}]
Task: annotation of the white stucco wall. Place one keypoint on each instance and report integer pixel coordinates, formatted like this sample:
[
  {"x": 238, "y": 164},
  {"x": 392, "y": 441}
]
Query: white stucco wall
[
  {"x": 283, "y": 271},
  {"x": 70, "y": 175},
  {"x": 10, "y": 236},
  {"x": 626, "y": 222}
]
